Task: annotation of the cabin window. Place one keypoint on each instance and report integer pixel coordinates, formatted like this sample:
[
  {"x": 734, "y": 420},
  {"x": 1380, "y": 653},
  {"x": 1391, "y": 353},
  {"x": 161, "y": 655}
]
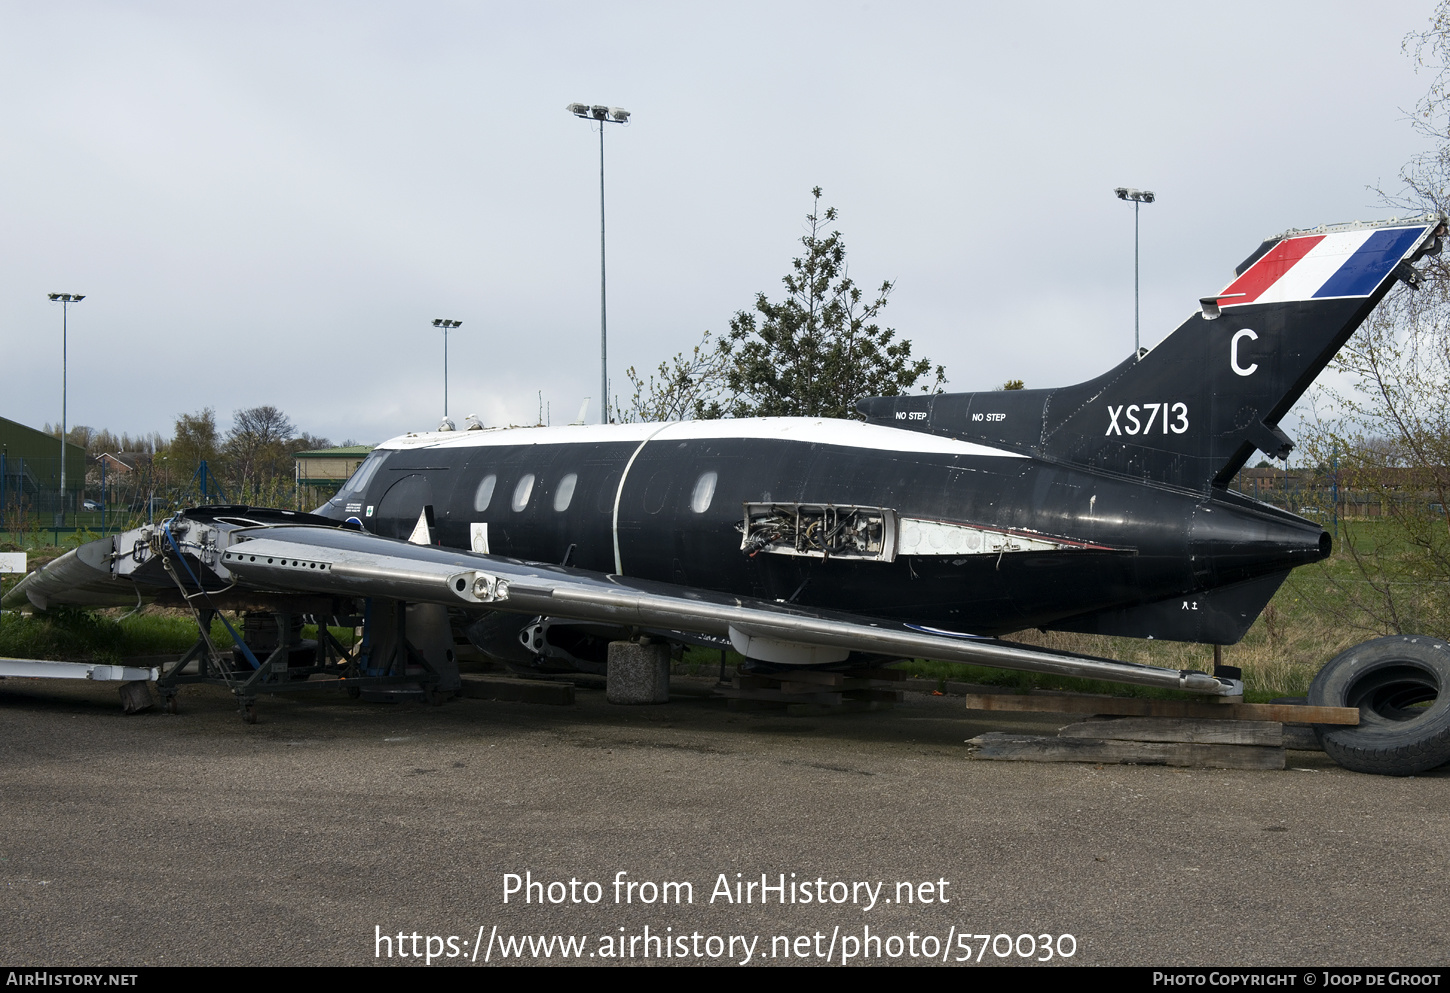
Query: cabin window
[
  {"x": 523, "y": 491},
  {"x": 656, "y": 492},
  {"x": 484, "y": 494},
  {"x": 565, "y": 492},
  {"x": 704, "y": 492},
  {"x": 604, "y": 499}
]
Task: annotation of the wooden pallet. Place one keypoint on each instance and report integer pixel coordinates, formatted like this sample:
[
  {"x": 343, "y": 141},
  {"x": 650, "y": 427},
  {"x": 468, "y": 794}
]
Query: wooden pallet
[
  {"x": 1091, "y": 703},
  {"x": 1004, "y": 747},
  {"x": 1208, "y": 735}
]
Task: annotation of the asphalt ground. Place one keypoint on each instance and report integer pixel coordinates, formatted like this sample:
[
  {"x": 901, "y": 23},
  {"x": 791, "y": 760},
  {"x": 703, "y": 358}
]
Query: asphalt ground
[{"x": 308, "y": 837}]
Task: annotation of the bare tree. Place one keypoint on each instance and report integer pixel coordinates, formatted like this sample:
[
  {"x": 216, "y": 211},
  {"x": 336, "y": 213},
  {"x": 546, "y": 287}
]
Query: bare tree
[{"x": 256, "y": 446}]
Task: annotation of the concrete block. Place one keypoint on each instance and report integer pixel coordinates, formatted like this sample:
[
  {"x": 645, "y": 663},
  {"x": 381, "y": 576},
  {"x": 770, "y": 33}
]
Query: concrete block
[
  {"x": 136, "y": 697},
  {"x": 638, "y": 673}
]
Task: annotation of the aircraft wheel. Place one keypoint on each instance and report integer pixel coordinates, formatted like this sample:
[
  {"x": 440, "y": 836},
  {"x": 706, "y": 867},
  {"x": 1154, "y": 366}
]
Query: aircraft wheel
[{"x": 1401, "y": 685}]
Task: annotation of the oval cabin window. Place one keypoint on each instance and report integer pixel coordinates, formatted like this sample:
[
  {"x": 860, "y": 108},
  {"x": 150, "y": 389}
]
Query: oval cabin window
[
  {"x": 565, "y": 492},
  {"x": 484, "y": 494},
  {"x": 704, "y": 492},
  {"x": 523, "y": 491}
]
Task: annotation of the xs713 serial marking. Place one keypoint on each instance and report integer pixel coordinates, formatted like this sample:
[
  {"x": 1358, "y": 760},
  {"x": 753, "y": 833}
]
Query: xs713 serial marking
[{"x": 1162, "y": 418}]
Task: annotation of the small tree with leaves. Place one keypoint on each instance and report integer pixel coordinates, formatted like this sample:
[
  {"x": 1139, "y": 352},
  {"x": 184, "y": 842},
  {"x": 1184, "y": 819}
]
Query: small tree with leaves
[
  {"x": 1381, "y": 429},
  {"x": 684, "y": 387},
  {"x": 819, "y": 350}
]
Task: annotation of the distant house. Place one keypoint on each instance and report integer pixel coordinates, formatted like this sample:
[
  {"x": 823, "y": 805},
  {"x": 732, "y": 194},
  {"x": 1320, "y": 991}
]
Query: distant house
[
  {"x": 1348, "y": 492},
  {"x": 124, "y": 463}
]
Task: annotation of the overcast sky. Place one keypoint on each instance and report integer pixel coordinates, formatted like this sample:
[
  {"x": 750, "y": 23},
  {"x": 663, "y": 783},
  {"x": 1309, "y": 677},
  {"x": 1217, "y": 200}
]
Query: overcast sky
[{"x": 269, "y": 203}]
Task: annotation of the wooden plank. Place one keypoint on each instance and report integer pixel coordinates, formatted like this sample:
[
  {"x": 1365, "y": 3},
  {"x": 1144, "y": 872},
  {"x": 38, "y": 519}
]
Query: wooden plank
[
  {"x": 1301, "y": 739},
  {"x": 1189, "y": 729},
  {"x": 1003, "y": 747},
  {"x": 844, "y": 707},
  {"x": 805, "y": 686},
  {"x": 878, "y": 695},
  {"x": 855, "y": 679},
  {"x": 777, "y": 696},
  {"x": 830, "y": 679},
  {"x": 480, "y": 687},
  {"x": 1090, "y": 703}
]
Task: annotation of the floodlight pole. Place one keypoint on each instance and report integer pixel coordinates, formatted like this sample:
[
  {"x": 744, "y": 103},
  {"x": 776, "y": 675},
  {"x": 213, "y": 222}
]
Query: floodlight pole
[
  {"x": 603, "y": 310},
  {"x": 1137, "y": 345},
  {"x": 447, "y": 324},
  {"x": 1138, "y": 197},
  {"x": 65, "y": 300},
  {"x": 603, "y": 115}
]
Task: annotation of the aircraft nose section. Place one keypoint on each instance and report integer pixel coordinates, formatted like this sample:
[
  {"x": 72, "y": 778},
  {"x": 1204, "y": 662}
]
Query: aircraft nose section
[{"x": 1229, "y": 543}]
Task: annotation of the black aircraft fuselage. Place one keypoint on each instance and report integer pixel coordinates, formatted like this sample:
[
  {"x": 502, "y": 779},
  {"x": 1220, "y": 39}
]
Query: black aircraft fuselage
[
  {"x": 633, "y": 500},
  {"x": 1100, "y": 507}
]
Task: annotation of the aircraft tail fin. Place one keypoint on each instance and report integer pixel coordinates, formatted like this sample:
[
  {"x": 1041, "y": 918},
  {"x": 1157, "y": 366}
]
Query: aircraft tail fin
[{"x": 1192, "y": 410}]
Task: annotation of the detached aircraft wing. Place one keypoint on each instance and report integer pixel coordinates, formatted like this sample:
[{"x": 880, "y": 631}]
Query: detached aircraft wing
[{"x": 228, "y": 557}]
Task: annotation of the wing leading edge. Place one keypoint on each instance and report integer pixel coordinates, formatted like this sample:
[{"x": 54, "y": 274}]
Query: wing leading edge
[{"x": 239, "y": 560}]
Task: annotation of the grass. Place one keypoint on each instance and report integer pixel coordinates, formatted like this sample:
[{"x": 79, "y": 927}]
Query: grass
[{"x": 75, "y": 635}]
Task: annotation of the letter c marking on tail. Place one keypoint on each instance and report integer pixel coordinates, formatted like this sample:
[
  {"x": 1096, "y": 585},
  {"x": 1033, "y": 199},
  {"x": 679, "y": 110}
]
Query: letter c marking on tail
[{"x": 1233, "y": 353}]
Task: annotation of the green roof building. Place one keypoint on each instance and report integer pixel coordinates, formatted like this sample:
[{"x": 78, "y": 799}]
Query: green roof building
[
  {"x": 321, "y": 472},
  {"x": 30, "y": 470}
]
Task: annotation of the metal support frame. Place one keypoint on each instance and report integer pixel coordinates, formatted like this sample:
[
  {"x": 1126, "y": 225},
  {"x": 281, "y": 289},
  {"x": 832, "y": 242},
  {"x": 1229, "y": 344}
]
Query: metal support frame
[{"x": 339, "y": 667}]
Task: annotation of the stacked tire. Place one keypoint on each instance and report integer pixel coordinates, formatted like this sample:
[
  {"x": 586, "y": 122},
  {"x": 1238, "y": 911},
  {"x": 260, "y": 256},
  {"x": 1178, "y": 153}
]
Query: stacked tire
[{"x": 1401, "y": 685}]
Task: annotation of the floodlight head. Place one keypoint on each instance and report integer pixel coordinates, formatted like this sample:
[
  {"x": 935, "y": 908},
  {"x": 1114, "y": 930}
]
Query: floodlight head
[
  {"x": 54, "y": 297},
  {"x": 1146, "y": 196},
  {"x": 619, "y": 114},
  {"x": 1122, "y": 192},
  {"x": 598, "y": 112},
  {"x": 578, "y": 109}
]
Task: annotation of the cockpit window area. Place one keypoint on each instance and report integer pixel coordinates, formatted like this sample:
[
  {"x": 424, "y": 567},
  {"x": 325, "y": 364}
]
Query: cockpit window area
[{"x": 357, "y": 484}]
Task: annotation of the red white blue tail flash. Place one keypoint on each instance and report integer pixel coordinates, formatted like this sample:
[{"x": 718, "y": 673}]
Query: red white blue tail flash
[{"x": 1316, "y": 266}]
